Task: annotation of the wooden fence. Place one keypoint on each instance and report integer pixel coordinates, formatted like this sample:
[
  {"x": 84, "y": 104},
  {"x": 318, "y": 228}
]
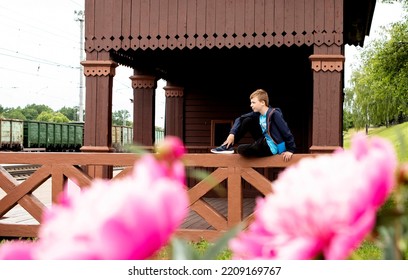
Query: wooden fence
[{"x": 232, "y": 170}]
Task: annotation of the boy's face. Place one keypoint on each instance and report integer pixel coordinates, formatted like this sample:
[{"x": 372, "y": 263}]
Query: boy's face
[{"x": 257, "y": 105}]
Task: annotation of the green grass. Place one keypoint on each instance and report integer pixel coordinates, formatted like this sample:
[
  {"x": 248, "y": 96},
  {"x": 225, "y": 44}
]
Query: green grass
[
  {"x": 397, "y": 135},
  {"x": 200, "y": 247},
  {"x": 368, "y": 250}
]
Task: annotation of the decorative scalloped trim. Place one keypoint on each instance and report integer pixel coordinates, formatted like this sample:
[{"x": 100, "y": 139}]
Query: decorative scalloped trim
[
  {"x": 143, "y": 81},
  {"x": 99, "y": 68},
  {"x": 172, "y": 91},
  {"x": 327, "y": 62},
  {"x": 214, "y": 41}
]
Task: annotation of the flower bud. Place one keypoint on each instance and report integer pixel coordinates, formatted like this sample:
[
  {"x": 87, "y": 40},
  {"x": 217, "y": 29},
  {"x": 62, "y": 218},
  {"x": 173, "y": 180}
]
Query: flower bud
[{"x": 171, "y": 148}]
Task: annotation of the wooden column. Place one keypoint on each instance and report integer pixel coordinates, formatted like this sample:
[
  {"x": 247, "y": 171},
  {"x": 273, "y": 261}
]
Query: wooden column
[
  {"x": 327, "y": 102},
  {"x": 144, "y": 87},
  {"x": 98, "y": 107},
  {"x": 174, "y": 111}
]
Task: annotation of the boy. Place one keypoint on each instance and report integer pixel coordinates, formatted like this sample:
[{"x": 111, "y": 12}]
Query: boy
[{"x": 266, "y": 125}]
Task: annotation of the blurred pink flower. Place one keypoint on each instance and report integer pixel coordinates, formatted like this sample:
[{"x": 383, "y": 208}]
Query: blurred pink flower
[
  {"x": 128, "y": 218},
  {"x": 323, "y": 206},
  {"x": 171, "y": 148},
  {"x": 16, "y": 250},
  {"x": 169, "y": 151}
]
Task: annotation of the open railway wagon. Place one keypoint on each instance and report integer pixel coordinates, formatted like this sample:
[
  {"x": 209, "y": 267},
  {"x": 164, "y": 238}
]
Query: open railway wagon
[
  {"x": 53, "y": 136},
  {"x": 32, "y": 135},
  {"x": 122, "y": 136},
  {"x": 11, "y": 134}
]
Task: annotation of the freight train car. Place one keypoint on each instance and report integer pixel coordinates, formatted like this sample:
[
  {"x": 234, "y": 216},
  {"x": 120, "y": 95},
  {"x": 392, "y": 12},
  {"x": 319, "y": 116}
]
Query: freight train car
[
  {"x": 56, "y": 137},
  {"x": 121, "y": 137},
  {"x": 19, "y": 135},
  {"x": 11, "y": 134}
]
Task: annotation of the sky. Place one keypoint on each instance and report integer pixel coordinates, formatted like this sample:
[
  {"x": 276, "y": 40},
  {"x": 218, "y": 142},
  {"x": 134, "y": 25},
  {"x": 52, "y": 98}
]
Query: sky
[{"x": 40, "y": 54}]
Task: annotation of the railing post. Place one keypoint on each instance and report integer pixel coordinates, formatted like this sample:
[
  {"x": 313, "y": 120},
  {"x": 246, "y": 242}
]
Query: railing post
[{"x": 234, "y": 196}]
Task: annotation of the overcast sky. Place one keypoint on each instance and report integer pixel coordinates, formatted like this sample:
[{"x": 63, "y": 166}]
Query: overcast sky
[{"x": 40, "y": 55}]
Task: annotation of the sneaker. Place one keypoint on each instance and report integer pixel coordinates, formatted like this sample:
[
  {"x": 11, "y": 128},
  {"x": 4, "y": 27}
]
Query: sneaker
[{"x": 223, "y": 150}]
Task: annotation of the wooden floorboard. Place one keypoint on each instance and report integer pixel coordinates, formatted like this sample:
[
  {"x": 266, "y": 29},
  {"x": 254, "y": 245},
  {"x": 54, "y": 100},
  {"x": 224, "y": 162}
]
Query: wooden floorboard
[
  {"x": 18, "y": 215},
  {"x": 195, "y": 221}
]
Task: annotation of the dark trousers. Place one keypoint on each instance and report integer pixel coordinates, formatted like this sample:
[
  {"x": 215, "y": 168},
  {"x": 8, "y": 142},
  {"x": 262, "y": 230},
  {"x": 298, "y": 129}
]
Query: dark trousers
[{"x": 259, "y": 148}]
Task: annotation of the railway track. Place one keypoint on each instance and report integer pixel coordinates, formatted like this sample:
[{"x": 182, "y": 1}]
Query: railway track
[
  {"x": 23, "y": 171},
  {"x": 20, "y": 171}
]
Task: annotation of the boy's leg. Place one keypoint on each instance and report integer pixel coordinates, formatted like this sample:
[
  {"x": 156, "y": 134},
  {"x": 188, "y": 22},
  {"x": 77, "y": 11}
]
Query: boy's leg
[
  {"x": 250, "y": 125},
  {"x": 259, "y": 148},
  {"x": 247, "y": 125}
]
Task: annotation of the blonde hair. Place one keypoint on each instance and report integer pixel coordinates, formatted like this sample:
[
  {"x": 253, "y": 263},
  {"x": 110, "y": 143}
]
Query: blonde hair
[{"x": 262, "y": 95}]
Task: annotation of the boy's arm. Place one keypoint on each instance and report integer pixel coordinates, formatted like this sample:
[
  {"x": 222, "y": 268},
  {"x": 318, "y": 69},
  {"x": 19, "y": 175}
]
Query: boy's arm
[{"x": 285, "y": 132}]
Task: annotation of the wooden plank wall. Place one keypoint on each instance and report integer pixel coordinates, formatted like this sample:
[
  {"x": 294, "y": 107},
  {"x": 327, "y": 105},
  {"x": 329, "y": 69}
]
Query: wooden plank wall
[
  {"x": 152, "y": 24},
  {"x": 224, "y": 95}
]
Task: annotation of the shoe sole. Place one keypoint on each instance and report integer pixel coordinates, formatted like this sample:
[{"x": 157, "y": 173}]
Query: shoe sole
[{"x": 222, "y": 152}]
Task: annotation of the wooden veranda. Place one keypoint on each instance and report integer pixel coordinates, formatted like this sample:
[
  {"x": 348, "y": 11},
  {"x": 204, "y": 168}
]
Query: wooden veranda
[
  {"x": 293, "y": 48},
  {"x": 233, "y": 170},
  {"x": 216, "y": 52}
]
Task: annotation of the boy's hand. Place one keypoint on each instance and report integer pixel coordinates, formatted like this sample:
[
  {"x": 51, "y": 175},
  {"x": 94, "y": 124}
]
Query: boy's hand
[
  {"x": 287, "y": 156},
  {"x": 229, "y": 141}
]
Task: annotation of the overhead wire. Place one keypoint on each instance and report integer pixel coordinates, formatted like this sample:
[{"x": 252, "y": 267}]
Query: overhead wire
[
  {"x": 31, "y": 29},
  {"x": 36, "y": 59}
]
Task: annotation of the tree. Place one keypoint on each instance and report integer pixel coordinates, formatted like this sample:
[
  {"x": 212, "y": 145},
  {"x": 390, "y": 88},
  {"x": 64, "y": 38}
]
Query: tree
[
  {"x": 32, "y": 111},
  {"x": 379, "y": 87},
  {"x": 404, "y": 2},
  {"x": 70, "y": 112},
  {"x": 12, "y": 113},
  {"x": 52, "y": 117},
  {"x": 121, "y": 117}
]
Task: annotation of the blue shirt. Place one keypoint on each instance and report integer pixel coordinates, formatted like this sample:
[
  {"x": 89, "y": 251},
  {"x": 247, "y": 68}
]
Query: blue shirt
[{"x": 269, "y": 141}]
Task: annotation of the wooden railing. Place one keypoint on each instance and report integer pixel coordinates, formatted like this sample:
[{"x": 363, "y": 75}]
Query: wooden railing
[{"x": 58, "y": 167}]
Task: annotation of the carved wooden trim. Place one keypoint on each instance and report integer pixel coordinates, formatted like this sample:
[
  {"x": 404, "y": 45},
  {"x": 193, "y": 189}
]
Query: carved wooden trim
[
  {"x": 143, "y": 81},
  {"x": 327, "y": 62},
  {"x": 217, "y": 24},
  {"x": 99, "y": 67},
  {"x": 230, "y": 40},
  {"x": 173, "y": 91}
]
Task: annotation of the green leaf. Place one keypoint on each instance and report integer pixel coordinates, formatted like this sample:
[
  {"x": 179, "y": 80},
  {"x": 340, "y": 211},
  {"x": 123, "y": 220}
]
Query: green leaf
[
  {"x": 221, "y": 244},
  {"x": 181, "y": 250},
  {"x": 389, "y": 248}
]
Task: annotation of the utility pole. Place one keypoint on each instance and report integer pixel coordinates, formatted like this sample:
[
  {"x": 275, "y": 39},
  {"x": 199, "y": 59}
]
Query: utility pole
[{"x": 80, "y": 18}]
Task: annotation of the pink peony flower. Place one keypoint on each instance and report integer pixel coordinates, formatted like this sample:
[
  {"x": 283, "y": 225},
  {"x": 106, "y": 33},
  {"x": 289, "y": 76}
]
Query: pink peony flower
[
  {"x": 321, "y": 207},
  {"x": 16, "y": 250},
  {"x": 130, "y": 218}
]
